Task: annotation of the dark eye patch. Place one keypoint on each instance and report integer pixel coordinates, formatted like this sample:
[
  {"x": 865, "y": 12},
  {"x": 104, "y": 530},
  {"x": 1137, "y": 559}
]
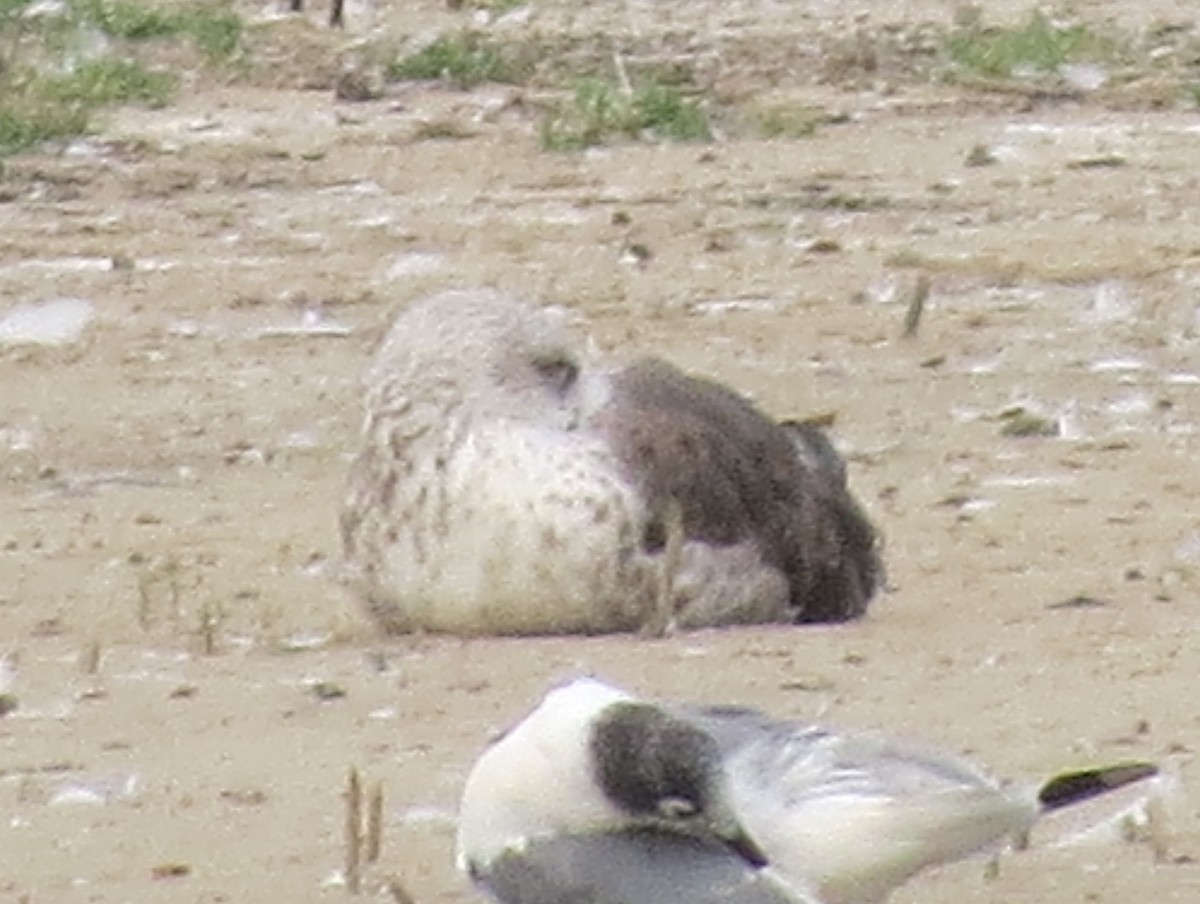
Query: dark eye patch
[
  {"x": 650, "y": 763},
  {"x": 557, "y": 371}
]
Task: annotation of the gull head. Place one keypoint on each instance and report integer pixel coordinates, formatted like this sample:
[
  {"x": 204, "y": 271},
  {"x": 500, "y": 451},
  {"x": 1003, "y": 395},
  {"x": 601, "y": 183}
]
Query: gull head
[
  {"x": 483, "y": 356},
  {"x": 593, "y": 759}
]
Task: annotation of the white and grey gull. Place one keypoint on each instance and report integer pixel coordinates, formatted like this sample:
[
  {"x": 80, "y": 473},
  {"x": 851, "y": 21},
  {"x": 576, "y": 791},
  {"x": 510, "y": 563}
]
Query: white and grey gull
[
  {"x": 508, "y": 482},
  {"x": 601, "y": 796},
  {"x": 598, "y": 798}
]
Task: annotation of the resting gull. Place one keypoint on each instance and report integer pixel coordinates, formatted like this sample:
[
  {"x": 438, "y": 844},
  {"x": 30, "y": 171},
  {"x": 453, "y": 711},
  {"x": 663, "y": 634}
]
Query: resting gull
[
  {"x": 506, "y": 483},
  {"x": 596, "y": 798},
  {"x": 812, "y": 814}
]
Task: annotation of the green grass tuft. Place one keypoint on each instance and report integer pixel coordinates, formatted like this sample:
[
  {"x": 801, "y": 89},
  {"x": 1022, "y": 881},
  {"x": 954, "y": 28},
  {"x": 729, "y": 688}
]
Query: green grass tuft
[
  {"x": 500, "y": 7},
  {"x": 595, "y": 110},
  {"x": 466, "y": 59},
  {"x": 104, "y": 81},
  {"x": 663, "y": 111},
  {"x": 57, "y": 107},
  {"x": 27, "y": 125},
  {"x": 599, "y": 110},
  {"x": 780, "y": 121},
  {"x": 131, "y": 21},
  {"x": 52, "y": 80},
  {"x": 1039, "y": 45},
  {"x": 216, "y": 30}
]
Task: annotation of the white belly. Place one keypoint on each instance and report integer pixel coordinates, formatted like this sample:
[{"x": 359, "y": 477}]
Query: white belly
[{"x": 520, "y": 532}]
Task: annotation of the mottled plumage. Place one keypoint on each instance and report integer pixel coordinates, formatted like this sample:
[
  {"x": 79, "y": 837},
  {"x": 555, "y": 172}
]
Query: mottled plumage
[{"x": 509, "y": 484}]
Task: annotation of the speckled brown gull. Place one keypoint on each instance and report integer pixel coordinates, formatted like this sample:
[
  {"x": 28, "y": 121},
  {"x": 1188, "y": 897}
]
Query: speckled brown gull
[{"x": 507, "y": 483}]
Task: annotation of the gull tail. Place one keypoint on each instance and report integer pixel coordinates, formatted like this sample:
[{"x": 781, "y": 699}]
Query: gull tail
[{"x": 1084, "y": 784}]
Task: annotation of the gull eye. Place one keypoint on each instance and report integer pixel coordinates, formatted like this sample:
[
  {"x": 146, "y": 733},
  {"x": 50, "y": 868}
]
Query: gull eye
[
  {"x": 676, "y": 808},
  {"x": 559, "y": 372}
]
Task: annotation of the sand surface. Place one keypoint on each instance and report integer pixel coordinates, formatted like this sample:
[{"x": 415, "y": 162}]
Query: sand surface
[{"x": 192, "y": 687}]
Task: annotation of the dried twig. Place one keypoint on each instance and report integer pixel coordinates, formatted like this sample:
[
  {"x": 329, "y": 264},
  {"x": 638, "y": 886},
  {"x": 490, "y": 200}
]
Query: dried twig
[
  {"x": 354, "y": 832},
  {"x": 622, "y": 75},
  {"x": 374, "y": 822},
  {"x": 210, "y": 626},
  {"x": 916, "y": 306},
  {"x": 89, "y": 657},
  {"x": 364, "y": 830}
]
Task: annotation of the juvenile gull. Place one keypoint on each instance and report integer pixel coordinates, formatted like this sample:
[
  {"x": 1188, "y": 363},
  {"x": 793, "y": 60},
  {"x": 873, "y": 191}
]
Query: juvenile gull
[
  {"x": 508, "y": 484},
  {"x": 841, "y": 818}
]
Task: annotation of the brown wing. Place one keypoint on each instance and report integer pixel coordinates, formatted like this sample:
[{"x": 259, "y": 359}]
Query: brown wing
[{"x": 738, "y": 475}]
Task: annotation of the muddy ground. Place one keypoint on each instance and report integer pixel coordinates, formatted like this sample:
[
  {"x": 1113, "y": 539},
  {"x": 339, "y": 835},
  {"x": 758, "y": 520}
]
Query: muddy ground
[{"x": 169, "y": 483}]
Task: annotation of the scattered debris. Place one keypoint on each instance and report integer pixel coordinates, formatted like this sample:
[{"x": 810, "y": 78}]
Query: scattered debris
[
  {"x": 636, "y": 255},
  {"x": 244, "y": 452},
  {"x": 303, "y": 642},
  {"x": 1104, "y": 161},
  {"x": 245, "y": 797},
  {"x": 916, "y": 306},
  {"x": 1084, "y": 76},
  {"x": 1080, "y": 601},
  {"x": 170, "y": 871},
  {"x": 980, "y": 155},
  {"x": 96, "y": 790},
  {"x": 364, "y": 832},
  {"x": 60, "y": 321},
  {"x": 414, "y": 263},
  {"x": 824, "y": 246},
  {"x": 314, "y": 323},
  {"x": 327, "y": 690},
  {"x": 354, "y": 828},
  {"x": 89, "y": 658},
  {"x": 374, "y": 840},
  {"x": 1021, "y": 422},
  {"x": 211, "y": 616},
  {"x": 814, "y": 685},
  {"x": 1111, "y": 303},
  {"x": 8, "y": 680}
]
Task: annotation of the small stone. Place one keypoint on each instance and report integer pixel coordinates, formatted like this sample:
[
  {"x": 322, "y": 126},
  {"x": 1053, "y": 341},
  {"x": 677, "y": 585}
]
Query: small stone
[
  {"x": 327, "y": 690},
  {"x": 170, "y": 871},
  {"x": 1022, "y": 423}
]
